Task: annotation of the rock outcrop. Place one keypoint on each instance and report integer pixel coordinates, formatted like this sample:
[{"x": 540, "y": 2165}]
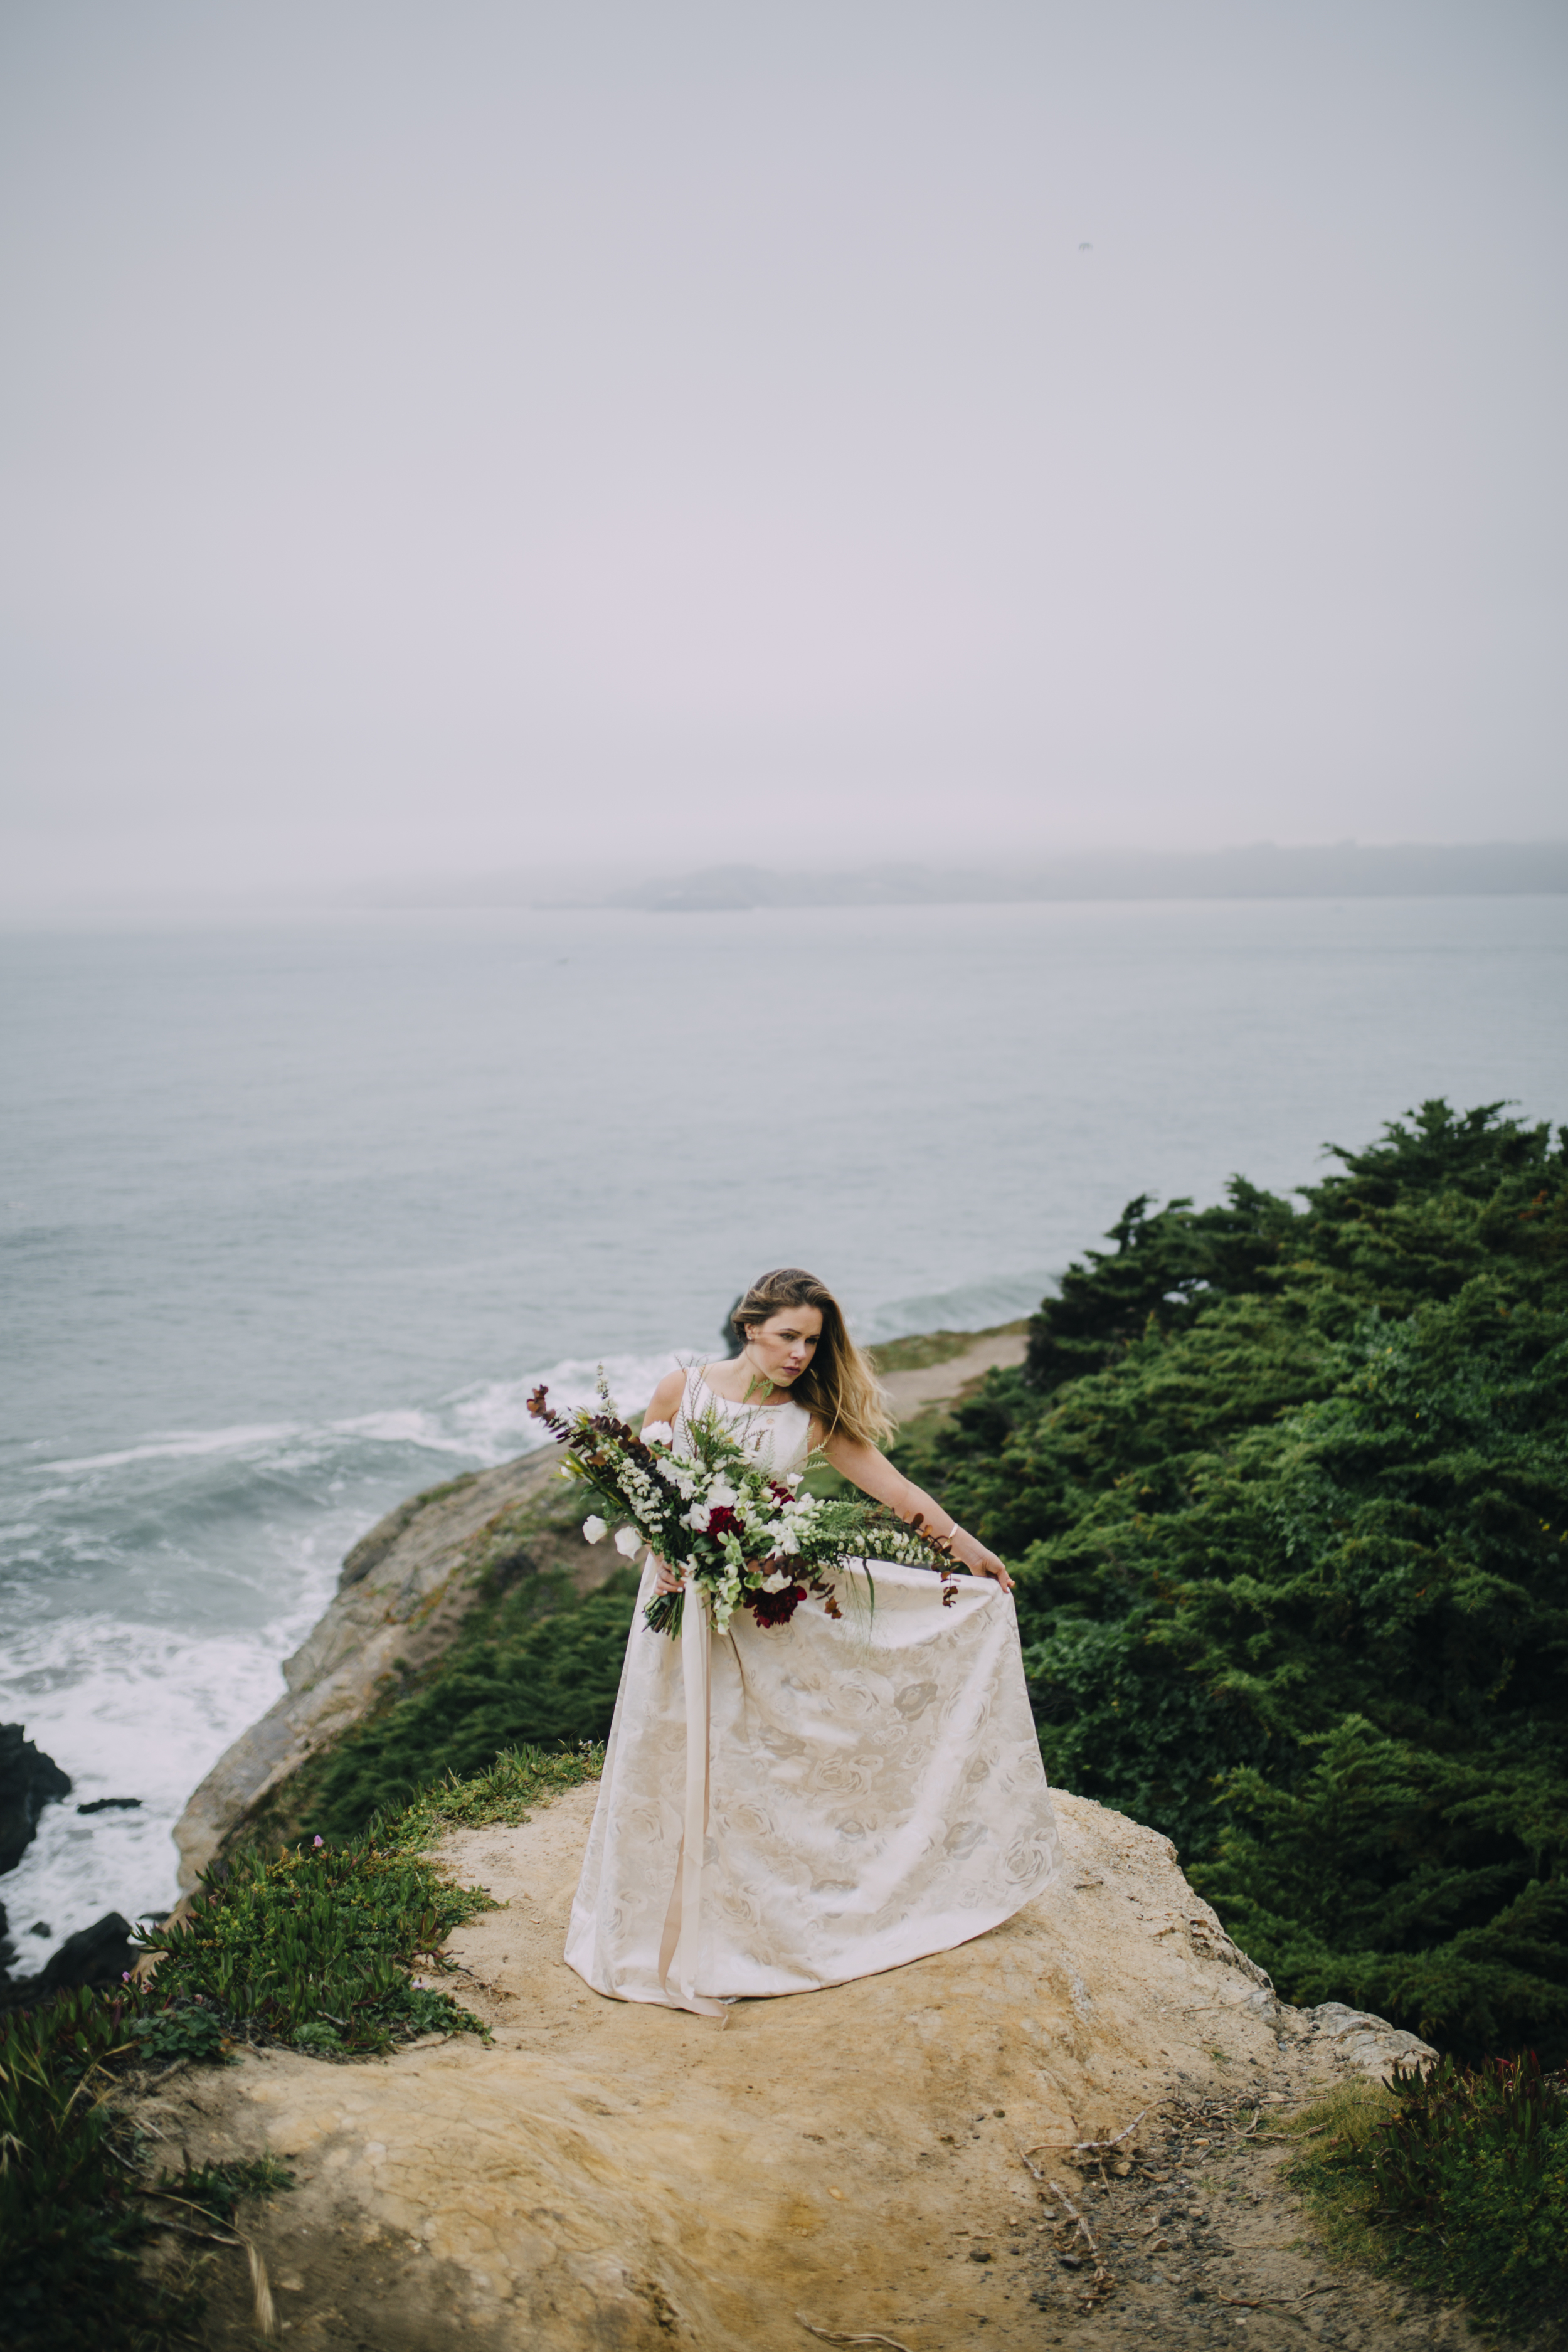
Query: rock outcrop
[
  {"x": 28, "y": 1781},
  {"x": 402, "y": 1594},
  {"x": 99, "y": 1954},
  {"x": 875, "y": 2160}
]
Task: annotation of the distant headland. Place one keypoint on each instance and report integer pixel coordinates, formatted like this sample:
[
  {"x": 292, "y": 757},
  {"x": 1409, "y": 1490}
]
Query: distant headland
[{"x": 1345, "y": 870}]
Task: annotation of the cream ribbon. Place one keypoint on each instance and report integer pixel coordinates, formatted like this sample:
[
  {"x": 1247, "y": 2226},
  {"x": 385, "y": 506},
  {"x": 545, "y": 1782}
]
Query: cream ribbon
[{"x": 677, "y": 1956}]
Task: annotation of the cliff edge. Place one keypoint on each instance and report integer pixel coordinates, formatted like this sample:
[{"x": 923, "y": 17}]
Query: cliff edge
[
  {"x": 402, "y": 1594},
  {"x": 888, "y": 2161}
]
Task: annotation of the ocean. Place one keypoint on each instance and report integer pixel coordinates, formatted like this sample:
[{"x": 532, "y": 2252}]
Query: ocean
[{"x": 295, "y": 1212}]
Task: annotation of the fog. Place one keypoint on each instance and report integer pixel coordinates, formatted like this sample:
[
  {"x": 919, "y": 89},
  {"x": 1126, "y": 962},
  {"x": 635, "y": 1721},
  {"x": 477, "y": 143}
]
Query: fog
[{"x": 612, "y": 437}]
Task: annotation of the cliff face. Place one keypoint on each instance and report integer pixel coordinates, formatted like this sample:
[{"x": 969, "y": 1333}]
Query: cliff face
[{"x": 402, "y": 1594}]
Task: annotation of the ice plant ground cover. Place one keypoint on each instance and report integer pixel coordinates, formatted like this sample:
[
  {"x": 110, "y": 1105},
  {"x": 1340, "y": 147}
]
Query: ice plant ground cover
[{"x": 741, "y": 1534}]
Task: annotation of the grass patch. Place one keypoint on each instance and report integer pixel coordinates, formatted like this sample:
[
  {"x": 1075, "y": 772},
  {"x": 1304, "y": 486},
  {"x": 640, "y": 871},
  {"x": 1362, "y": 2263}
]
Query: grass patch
[
  {"x": 533, "y": 1669},
  {"x": 71, "y": 2220},
  {"x": 314, "y": 1947},
  {"x": 926, "y": 1348},
  {"x": 1456, "y": 2182},
  {"x": 504, "y": 1792},
  {"x": 215, "y": 2192}
]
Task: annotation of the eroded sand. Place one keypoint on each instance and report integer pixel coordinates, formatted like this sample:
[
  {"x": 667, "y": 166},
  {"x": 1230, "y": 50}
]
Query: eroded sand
[{"x": 604, "y": 2175}]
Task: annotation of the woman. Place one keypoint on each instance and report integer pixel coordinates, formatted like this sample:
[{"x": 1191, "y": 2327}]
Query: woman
[{"x": 785, "y": 1808}]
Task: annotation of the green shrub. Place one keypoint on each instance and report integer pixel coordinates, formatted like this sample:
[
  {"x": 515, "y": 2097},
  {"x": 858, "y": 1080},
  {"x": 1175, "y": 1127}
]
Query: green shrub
[
  {"x": 1458, "y": 2181},
  {"x": 1287, "y": 1494},
  {"x": 171, "y": 2035}
]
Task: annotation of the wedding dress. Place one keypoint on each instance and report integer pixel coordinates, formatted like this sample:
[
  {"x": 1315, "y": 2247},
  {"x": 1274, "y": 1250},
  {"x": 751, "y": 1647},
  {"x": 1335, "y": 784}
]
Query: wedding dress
[{"x": 786, "y": 1807}]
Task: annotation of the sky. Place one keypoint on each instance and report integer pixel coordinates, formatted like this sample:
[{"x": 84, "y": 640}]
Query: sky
[{"x": 446, "y": 439}]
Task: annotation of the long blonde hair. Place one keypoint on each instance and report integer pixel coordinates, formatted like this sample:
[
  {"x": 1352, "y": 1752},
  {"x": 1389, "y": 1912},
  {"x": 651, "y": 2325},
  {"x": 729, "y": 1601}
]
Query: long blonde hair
[{"x": 839, "y": 1386}]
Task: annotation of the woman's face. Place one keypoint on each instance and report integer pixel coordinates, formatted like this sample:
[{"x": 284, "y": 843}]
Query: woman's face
[{"x": 783, "y": 1347}]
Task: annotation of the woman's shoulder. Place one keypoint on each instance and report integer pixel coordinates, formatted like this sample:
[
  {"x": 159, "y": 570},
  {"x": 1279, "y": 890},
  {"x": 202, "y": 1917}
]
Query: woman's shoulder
[{"x": 663, "y": 1403}]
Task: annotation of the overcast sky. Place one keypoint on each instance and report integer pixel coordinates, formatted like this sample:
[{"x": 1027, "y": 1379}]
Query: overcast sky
[{"x": 464, "y": 436}]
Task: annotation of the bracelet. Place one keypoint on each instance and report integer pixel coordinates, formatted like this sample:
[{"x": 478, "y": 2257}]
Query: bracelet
[{"x": 953, "y": 1533}]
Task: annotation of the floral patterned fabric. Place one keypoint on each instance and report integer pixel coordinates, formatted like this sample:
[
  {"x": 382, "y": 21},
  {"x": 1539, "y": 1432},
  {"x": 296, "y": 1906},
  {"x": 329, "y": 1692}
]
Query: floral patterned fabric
[{"x": 787, "y": 1808}]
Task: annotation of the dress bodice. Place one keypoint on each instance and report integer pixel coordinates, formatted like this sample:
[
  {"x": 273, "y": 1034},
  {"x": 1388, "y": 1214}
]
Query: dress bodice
[{"x": 778, "y": 1434}]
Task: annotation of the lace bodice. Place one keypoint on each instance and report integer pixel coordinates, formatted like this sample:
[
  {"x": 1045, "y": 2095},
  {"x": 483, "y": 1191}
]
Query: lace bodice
[{"x": 778, "y": 1434}]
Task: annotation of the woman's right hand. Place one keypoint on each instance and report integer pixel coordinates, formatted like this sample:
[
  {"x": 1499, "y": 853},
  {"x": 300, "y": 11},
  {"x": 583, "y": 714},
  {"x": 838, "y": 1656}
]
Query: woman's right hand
[{"x": 669, "y": 1579}]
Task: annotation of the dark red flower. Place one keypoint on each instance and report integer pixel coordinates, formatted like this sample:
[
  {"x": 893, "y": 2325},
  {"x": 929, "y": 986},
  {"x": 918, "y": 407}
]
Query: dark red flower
[
  {"x": 775, "y": 1607},
  {"x": 723, "y": 1516}
]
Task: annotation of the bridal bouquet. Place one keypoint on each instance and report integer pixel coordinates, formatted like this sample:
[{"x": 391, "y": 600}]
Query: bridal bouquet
[{"x": 742, "y": 1535}]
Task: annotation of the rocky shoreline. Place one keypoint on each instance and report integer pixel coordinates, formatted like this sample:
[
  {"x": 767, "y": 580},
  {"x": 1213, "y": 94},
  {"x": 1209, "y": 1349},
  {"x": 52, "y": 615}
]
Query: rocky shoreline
[{"x": 94, "y": 1955}]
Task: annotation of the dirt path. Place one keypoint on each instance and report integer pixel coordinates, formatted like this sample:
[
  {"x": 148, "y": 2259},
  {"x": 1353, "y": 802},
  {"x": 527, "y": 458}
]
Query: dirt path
[
  {"x": 916, "y": 1391},
  {"x": 603, "y": 2175}
]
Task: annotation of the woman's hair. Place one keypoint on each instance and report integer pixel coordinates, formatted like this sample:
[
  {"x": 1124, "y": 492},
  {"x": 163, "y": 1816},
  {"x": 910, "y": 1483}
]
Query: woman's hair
[{"x": 838, "y": 1385}]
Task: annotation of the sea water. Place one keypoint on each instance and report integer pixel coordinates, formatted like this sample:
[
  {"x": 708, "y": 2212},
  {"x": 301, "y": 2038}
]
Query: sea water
[{"x": 294, "y": 1213}]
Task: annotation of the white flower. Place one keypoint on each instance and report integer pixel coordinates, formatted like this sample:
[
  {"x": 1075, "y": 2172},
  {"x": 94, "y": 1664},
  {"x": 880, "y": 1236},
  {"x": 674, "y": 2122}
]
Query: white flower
[
  {"x": 594, "y": 1529},
  {"x": 628, "y": 1542},
  {"x": 721, "y": 1492},
  {"x": 657, "y": 1432},
  {"x": 696, "y": 1518},
  {"x": 776, "y": 1583}
]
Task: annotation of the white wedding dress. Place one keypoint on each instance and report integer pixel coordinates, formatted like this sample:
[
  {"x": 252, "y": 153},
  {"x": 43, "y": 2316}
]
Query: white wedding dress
[{"x": 791, "y": 1806}]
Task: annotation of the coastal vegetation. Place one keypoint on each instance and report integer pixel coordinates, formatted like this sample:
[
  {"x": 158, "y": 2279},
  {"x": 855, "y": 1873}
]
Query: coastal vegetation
[
  {"x": 1455, "y": 2180},
  {"x": 531, "y": 1666},
  {"x": 317, "y": 1948},
  {"x": 1286, "y": 1490}
]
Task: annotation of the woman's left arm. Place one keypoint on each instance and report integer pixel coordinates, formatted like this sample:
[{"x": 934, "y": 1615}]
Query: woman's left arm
[{"x": 875, "y": 1476}]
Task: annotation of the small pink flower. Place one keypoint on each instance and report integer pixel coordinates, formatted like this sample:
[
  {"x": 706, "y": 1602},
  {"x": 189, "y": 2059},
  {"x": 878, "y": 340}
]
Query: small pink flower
[
  {"x": 124, "y": 1976},
  {"x": 318, "y": 1840}
]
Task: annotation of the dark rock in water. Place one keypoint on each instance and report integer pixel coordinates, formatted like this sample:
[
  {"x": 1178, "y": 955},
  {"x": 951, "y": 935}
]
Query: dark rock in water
[
  {"x": 27, "y": 1782},
  {"x": 40, "y": 1928},
  {"x": 111, "y": 1805},
  {"x": 7, "y": 1950},
  {"x": 100, "y": 1955},
  {"x": 97, "y": 1955}
]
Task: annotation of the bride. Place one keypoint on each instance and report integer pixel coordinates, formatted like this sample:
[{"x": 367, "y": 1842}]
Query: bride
[{"x": 788, "y": 1807}]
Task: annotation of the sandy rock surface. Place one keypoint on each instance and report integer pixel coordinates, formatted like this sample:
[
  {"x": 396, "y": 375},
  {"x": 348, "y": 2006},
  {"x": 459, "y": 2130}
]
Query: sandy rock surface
[{"x": 851, "y": 2161}]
